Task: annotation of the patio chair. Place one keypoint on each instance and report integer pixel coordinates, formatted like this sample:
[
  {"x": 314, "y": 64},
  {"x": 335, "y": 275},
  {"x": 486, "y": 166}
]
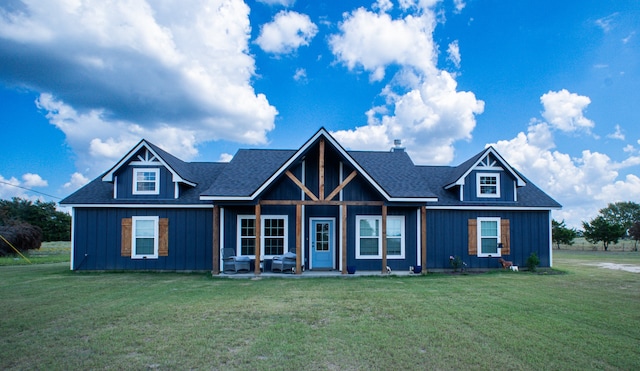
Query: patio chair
[
  {"x": 233, "y": 263},
  {"x": 284, "y": 263}
]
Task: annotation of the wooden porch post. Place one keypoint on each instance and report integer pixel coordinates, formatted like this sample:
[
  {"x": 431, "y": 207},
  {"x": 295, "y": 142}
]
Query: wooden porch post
[
  {"x": 216, "y": 240},
  {"x": 299, "y": 239},
  {"x": 423, "y": 237},
  {"x": 343, "y": 224},
  {"x": 256, "y": 269},
  {"x": 384, "y": 238}
]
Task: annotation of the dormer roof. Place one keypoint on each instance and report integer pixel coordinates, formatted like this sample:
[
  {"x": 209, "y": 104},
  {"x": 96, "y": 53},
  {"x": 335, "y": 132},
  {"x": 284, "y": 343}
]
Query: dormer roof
[{"x": 489, "y": 158}]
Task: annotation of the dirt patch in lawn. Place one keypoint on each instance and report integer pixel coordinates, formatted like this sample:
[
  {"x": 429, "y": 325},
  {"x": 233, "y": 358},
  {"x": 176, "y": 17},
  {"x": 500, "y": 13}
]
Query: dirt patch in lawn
[{"x": 620, "y": 267}]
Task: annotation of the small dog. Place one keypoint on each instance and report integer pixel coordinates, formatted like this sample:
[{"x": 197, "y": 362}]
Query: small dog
[
  {"x": 388, "y": 270},
  {"x": 505, "y": 263},
  {"x": 514, "y": 268}
]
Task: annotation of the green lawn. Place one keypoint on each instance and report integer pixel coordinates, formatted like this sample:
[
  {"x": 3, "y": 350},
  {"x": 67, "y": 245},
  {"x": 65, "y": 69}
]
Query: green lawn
[
  {"x": 49, "y": 252},
  {"x": 586, "y": 318}
]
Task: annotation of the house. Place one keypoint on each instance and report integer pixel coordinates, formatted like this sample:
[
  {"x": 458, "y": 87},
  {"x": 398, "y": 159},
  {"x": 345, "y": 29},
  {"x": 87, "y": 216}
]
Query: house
[{"x": 333, "y": 208}]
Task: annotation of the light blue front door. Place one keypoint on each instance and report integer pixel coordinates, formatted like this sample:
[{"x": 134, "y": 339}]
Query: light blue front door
[{"x": 322, "y": 248}]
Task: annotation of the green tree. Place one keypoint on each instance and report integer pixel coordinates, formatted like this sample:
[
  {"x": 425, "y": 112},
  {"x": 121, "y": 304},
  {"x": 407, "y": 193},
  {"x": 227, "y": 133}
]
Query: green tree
[
  {"x": 622, "y": 213},
  {"x": 55, "y": 225},
  {"x": 561, "y": 234},
  {"x": 634, "y": 232},
  {"x": 602, "y": 229}
]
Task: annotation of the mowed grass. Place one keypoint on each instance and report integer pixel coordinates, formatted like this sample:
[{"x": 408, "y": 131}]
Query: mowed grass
[
  {"x": 585, "y": 318},
  {"x": 49, "y": 252}
]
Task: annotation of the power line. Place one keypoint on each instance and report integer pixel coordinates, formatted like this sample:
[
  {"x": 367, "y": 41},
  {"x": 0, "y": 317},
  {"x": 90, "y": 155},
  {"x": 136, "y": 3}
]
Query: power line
[{"x": 30, "y": 190}]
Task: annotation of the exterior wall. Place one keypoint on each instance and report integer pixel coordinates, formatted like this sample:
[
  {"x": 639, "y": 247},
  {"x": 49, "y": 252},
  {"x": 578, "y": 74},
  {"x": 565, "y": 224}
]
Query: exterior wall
[
  {"x": 125, "y": 184},
  {"x": 506, "y": 187},
  {"x": 97, "y": 239},
  {"x": 447, "y": 235}
]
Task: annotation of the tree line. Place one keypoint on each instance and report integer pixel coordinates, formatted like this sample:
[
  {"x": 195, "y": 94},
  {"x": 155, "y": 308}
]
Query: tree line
[
  {"x": 614, "y": 222},
  {"x": 25, "y": 224}
]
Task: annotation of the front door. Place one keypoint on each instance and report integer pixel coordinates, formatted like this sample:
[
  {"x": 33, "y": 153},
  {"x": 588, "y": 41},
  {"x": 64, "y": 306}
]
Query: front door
[{"x": 322, "y": 244}]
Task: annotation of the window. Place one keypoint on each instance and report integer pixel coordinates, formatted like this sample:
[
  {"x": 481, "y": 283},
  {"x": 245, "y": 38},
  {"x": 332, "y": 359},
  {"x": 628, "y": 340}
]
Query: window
[
  {"x": 146, "y": 181},
  {"x": 488, "y": 237},
  {"x": 369, "y": 237},
  {"x": 247, "y": 236},
  {"x": 488, "y": 184},
  {"x": 144, "y": 241},
  {"x": 273, "y": 237}
]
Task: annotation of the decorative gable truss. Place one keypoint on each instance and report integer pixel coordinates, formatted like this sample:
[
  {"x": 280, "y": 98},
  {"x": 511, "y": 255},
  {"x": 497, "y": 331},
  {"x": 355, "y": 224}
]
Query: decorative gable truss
[
  {"x": 146, "y": 162},
  {"x": 489, "y": 168}
]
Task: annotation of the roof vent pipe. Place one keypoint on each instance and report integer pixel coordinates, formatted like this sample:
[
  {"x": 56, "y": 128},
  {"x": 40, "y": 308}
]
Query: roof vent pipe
[{"x": 397, "y": 146}]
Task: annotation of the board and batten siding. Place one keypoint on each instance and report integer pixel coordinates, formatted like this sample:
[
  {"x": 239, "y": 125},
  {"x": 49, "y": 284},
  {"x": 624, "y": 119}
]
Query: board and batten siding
[
  {"x": 448, "y": 235},
  {"x": 98, "y": 239}
]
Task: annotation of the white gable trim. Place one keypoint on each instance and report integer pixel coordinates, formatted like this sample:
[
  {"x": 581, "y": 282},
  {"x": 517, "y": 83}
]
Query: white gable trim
[
  {"x": 109, "y": 175},
  {"x": 505, "y": 166}
]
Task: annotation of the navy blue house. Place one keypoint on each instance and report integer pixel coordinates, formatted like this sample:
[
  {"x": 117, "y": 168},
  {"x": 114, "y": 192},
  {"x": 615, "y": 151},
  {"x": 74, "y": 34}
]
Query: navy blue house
[{"x": 333, "y": 208}]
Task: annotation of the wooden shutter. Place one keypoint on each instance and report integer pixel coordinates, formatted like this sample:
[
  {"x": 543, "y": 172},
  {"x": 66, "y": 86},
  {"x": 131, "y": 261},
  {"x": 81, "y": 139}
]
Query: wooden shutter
[
  {"x": 505, "y": 237},
  {"x": 163, "y": 237},
  {"x": 125, "y": 248},
  {"x": 473, "y": 236}
]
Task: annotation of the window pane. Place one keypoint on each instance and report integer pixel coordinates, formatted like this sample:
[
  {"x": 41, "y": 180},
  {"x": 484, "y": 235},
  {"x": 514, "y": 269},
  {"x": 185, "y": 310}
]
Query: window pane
[
  {"x": 273, "y": 246},
  {"x": 394, "y": 227},
  {"x": 145, "y": 228},
  {"x": 368, "y": 246},
  {"x": 248, "y": 246},
  {"x": 489, "y": 246},
  {"x": 394, "y": 246},
  {"x": 489, "y": 228},
  {"x": 144, "y": 246},
  {"x": 248, "y": 227},
  {"x": 369, "y": 228}
]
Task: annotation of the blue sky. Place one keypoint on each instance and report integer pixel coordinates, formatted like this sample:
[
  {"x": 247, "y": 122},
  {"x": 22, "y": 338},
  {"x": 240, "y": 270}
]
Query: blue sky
[{"x": 552, "y": 85}]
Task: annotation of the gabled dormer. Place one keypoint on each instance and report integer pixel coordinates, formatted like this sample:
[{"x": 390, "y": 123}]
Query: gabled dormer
[
  {"x": 486, "y": 177},
  {"x": 148, "y": 172}
]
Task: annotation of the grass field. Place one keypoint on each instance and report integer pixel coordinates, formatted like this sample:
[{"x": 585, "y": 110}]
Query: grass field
[
  {"x": 49, "y": 252},
  {"x": 586, "y": 318}
]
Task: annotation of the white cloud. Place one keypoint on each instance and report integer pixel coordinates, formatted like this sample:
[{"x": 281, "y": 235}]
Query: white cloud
[
  {"x": 77, "y": 180},
  {"x": 285, "y": 3},
  {"x": 85, "y": 59},
  {"x": 459, "y": 5},
  {"x": 606, "y": 23},
  {"x": 288, "y": 31},
  {"x": 423, "y": 106},
  {"x": 31, "y": 180},
  {"x": 300, "y": 75},
  {"x": 564, "y": 110},
  {"x": 453, "y": 53},
  {"x": 225, "y": 157},
  {"x": 618, "y": 134},
  {"x": 373, "y": 41}
]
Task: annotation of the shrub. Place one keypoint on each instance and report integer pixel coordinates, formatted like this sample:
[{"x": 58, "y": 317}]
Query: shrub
[
  {"x": 533, "y": 262},
  {"x": 22, "y": 236}
]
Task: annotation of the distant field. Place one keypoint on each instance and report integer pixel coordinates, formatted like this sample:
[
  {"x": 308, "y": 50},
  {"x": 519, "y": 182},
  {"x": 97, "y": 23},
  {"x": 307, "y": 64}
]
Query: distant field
[
  {"x": 575, "y": 317},
  {"x": 49, "y": 252},
  {"x": 581, "y": 244}
]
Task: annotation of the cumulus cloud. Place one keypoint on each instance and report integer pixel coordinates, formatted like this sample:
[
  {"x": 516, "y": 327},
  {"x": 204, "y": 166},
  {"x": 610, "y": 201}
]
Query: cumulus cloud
[
  {"x": 77, "y": 180},
  {"x": 288, "y": 31},
  {"x": 422, "y": 104},
  {"x": 618, "y": 134},
  {"x": 285, "y": 3},
  {"x": 565, "y": 110},
  {"x": 111, "y": 72},
  {"x": 459, "y": 5},
  {"x": 583, "y": 184},
  {"x": 300, "y": 75},
  {"x": 453, "y": 53},
  {"x": 12, "y": 187}
]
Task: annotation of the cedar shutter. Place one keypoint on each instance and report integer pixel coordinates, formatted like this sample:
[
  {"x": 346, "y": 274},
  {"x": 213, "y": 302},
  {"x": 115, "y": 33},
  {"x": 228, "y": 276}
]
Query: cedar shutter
[
  {"x": 473, "y": 236},
  {"x": 505, "y": 237},
  {"x": 163, "y": 237},
  {"x": 125, "y": 248}
]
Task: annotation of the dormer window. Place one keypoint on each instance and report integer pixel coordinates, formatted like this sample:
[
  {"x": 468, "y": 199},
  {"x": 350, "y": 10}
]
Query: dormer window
[
  {"x": 146, "y": 181},
  {"x": 488, "y": 185}
]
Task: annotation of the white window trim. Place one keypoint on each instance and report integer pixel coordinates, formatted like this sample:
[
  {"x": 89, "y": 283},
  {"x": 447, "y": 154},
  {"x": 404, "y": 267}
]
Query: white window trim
[
  {"x": 263, "y": 218},
  {"x": 146, "y": 170},
  {"x": 479, "y": 186},
  {"x": 479, "y": 238},
  {"x": 379, "y": 255},
  {"x": 156, "y": 237}
]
